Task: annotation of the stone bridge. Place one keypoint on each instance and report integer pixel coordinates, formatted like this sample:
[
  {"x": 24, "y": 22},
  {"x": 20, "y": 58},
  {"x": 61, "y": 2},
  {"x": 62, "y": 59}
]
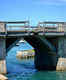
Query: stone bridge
[{"x": 47, "y": 38}]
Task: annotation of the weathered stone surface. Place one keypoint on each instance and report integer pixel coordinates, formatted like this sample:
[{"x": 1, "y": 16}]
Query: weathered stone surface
[
  {"x": 3, "y": 67},
  {"x": 62, "y": 47},
  {"x": 61, "y": 65},
  {"x": 2, "y": 49},
  {"x": 2, "y": 27},
  {"x": 2, "y": 56}
]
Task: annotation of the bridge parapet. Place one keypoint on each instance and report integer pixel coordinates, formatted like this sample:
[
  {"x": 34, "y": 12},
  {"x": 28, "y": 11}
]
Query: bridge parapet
[
  {"x": 17, "y": 26},
  {"x": 23, "y": 27},
  {"x": 53, "y": 26}
]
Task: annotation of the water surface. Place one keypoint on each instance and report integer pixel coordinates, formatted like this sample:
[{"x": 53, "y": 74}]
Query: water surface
[{"x": 24, "y": 69}]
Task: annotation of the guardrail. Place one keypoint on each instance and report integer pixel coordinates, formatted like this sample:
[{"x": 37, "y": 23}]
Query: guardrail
[
  {"x": 36, "y": 29},
  {"x": 23, "y": 26},
  {"x": 53, "y": 26},
  {"x": 22, "y": 29},
  {"x": 7, "y": 26}
]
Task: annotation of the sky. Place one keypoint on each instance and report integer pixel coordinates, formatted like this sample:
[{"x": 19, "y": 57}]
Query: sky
[{"x": 33, "y": 10}]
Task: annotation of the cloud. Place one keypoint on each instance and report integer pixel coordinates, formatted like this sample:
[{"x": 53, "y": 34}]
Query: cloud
[{"x": 50, "y": 2}]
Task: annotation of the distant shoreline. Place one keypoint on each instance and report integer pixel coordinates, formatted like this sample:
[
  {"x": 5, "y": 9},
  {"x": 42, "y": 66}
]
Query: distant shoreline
[{"x": 25, "y": 54}]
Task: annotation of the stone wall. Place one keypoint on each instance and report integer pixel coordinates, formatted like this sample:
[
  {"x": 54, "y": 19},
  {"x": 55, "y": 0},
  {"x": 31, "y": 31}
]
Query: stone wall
[
  {"x": 2, "y": 27},
  {"x": 61, "y": 64},
  {"x": 2, "y": 56},
  {"x": 2, "y": 49}
]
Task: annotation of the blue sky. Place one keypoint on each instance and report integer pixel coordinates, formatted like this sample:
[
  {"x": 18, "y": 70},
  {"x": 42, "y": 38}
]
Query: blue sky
[{"x": 33, "y": 10}]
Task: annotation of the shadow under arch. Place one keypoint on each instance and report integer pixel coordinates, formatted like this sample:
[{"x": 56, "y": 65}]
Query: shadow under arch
[
  {"x": 45, "y": 50},
  {"x": 45, "y": 57}
]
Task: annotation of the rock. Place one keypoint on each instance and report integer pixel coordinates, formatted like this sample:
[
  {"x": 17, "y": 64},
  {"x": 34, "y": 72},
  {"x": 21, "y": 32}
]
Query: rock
[
  {"x": 2, "y": 77},
  {"x": 61, "y": 65}
]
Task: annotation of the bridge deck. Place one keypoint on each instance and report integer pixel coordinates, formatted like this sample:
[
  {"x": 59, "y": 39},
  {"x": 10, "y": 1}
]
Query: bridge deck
[
  {"x": 30, "y": 34},
  {"x": 22, "y": 28}
]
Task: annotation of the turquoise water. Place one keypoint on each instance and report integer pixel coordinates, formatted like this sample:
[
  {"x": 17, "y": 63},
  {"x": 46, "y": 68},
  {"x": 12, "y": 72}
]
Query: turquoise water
[{"x": 24, "y": 69}]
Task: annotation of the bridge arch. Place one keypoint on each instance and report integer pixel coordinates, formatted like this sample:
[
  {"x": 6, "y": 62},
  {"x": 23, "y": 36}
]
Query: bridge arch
[{"x": 45, "y": 51}]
